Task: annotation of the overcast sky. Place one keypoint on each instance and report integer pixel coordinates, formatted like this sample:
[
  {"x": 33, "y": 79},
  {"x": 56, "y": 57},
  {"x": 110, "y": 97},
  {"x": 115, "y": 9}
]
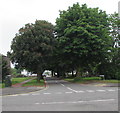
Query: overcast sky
[{"x": 16, "y": 13}]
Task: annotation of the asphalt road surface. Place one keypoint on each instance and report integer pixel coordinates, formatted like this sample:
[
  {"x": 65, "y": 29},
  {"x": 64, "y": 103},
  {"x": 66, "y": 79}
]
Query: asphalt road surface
[{"x": 64, "y": 96}]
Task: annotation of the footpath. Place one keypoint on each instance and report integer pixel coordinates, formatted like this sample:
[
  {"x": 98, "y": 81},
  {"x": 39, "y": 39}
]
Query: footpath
[{"x": 18, "y": 89}]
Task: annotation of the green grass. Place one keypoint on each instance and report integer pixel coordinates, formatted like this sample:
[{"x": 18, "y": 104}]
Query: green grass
[
  {"x": 34, "y": 83},
  {"x": 19, "y": 79},
  {"x": 90, "y": 80},
  {"x": 110, "y": 81},
  {"x": 2, "y": 85}
]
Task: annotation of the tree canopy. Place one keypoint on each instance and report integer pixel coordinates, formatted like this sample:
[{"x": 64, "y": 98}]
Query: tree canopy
[
  {"x": 32, "y": 46},
  {"x": 83, "y": 35},
  {"x": 84, "y": 40},
  {"x": 4, "y": 66}
]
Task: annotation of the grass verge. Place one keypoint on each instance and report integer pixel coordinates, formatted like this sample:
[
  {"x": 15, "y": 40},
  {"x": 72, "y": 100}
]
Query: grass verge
[
  {"x": 15, "y": 81},
  {"x": 34, "y": 83},
  {"x": 90, "y": 80},
  {"x": 19, "y": 80},
  {"x": 2, "y": 85}
]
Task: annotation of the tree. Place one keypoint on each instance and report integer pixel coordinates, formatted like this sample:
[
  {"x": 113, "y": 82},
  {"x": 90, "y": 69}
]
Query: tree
[
  {"x": 111, "y": 67},
  {"x": 15, "y": 72},
  {"x": 32, "y": 47},
  {"x": 115, "y": 25},
  {"x": 83, "y": 36},
  {"x": 4, "y": 66}
]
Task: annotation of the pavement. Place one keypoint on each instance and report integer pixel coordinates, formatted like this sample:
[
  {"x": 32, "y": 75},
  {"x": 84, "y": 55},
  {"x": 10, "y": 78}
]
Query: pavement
[
  {"x": 18, "y": 89},
  {"x": 60, "y": 95}
]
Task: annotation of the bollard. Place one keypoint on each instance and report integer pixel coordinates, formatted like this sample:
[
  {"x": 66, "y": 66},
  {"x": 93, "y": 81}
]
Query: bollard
[{"x": 8, "y": 82}]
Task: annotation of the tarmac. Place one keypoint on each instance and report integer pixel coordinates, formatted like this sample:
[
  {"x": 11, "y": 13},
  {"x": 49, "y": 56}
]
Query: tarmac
[{"x": 18, "y": 89}]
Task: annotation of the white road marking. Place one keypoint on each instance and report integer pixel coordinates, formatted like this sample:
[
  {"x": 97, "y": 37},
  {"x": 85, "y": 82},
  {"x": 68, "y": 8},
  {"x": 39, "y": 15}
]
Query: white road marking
[
  {"x": 101, "y": 90},
  {"x": 62, "y": 84},
  {"x": 90, "y": 91},
  {"x": 36, "y": 94},
  {"x": 80, "y": 92},
  {"x": 68, "y": 92},
  {"x": 13, "y": 95},
  {"x": 111, "y": 90},
  {"x": 53, "y": 103},
  {"x": 37, "y": 103},
  {"x": 46, "y": 93},
  {"x": 74, "y": 102},
  {"x": 102, "y": 100},
  {"x": 71, "y": 89}
]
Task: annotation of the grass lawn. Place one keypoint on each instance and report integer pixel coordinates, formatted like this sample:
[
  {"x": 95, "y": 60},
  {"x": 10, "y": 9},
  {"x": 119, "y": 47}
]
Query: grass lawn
[
  {"x": 19, "y": 79},
  {"x": 2, "y": 85},
  {"x": 34, "y": 83},
  {"x": 90, "y": 80},
  {"x": 16, "y": 80},
  {"x": 110, "y": 81}
]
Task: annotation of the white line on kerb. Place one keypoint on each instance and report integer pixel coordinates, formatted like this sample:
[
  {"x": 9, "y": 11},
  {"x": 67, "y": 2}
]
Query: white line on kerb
[
  {"x": 36, "y": 94},
  {"x": 24, "y": 94},
  {"x": 73, "y": 102}
]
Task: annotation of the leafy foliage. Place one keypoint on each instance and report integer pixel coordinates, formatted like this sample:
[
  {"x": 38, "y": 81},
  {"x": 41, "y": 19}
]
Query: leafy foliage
[
  {"x": 83, "y": 36},
  {"x": 84, "y": 40},
  {"x": 4, "y": 66},
  {"x": 32, "y": 46}
]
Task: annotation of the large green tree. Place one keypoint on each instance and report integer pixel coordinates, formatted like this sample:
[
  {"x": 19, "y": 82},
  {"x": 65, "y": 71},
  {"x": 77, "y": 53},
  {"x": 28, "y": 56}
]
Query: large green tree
[
  {"x": 83, "y": 36},
  {"x": 32, "y": 47},
  {"x": 111, "y": 67}
]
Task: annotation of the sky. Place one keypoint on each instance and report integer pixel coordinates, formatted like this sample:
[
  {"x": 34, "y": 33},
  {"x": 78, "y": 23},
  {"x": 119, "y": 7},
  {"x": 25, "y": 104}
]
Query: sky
[{"x": 14, "y": 14}]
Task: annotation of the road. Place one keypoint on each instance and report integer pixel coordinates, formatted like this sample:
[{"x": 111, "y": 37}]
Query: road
[{"x": 60, "y": 95}]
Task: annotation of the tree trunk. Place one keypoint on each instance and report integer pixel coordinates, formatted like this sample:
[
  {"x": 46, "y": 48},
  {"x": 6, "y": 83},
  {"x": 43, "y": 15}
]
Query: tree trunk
[
  {"x": 72, "y": 74},
  {"x": 63, "y": 74},
  {"x": 52, "y": 73},
  {"x": 58, "y": 74},
  {"x": 79, "y": 72},
  {"x": 38, "y": 77}
]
